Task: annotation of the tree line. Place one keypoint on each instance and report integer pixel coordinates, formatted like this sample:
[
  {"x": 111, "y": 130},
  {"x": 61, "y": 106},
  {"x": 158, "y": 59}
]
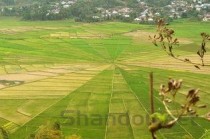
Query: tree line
[{"x": 82, "y": 10}]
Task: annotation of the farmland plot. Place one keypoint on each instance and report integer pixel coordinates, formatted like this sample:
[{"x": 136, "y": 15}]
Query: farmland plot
[
  {"x": 184, "y": 128},
  {"x": 93, "y": 79},
  {"x": 22, "y": 103}
]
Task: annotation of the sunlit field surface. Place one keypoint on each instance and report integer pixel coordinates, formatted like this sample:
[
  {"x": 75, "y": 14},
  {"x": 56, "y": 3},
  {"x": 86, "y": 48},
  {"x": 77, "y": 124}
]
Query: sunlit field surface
[{"x": 73, "y": 73}]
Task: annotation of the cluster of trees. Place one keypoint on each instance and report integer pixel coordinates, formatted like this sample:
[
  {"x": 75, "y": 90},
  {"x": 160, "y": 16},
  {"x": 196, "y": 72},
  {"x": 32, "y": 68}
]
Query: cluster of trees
[
  {"x": 22, "y": 2},
  {"x": 192, "y": 14},
  {"x": 159, "y": 3},
  {"x": 43, "y": 12},
  {"x": 82, "y": 10},
  {"x": 7, "y": 2},
  {"x": 51, "y": 131}
]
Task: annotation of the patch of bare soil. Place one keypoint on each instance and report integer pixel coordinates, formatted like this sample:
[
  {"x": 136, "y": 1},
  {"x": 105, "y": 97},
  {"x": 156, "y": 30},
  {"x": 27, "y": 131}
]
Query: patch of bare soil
[
  {"x": 70, "y": 35},
  {"x": 173, "y": 64},
  {"x": 21, "y": 77},
  {"x": 185, "y": 41},
  {"x": 35, "y": 75},
  {"x": 57, "y": 71},
  {"x": 24, "y": 29},
  {"x": 144, "y": 36},
  {"x": 1, "y": 86},
  {"x": 74, "y": 78},
  {"x": 51, "y": 72},
  {"x": 208, "y": 116},
  {"x": 140, "y": 35}
]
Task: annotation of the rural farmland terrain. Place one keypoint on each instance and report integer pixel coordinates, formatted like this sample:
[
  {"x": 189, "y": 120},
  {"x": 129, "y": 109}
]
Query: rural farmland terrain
[{"x": 73, "y": 73}]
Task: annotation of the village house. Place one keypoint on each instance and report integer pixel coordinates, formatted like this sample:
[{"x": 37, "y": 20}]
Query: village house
[{"x": 206, "y": 18}]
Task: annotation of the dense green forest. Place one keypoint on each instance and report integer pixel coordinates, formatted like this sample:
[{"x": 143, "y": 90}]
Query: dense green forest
[
  {"x": 96, "y": 2},
  {"x": 80, "y": 10},
  {"x": 94, "y": 10},
  {"x": 48, "y": 10}
]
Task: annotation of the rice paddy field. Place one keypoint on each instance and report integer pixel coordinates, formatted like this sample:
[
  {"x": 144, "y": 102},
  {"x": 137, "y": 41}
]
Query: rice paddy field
[{"x": 94, "y": 78}]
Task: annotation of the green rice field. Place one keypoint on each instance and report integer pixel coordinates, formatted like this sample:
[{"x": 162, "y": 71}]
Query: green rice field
[{"x": 93, "y": 78}]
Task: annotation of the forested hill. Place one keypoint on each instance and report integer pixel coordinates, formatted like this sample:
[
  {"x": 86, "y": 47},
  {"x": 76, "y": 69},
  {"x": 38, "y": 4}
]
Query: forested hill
[
  {"x": 22, "y": 2},
  {"x": 79, "y": 9},
  {"x": 99, "y": 10},
  {"x": 98, "y": 2}
]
